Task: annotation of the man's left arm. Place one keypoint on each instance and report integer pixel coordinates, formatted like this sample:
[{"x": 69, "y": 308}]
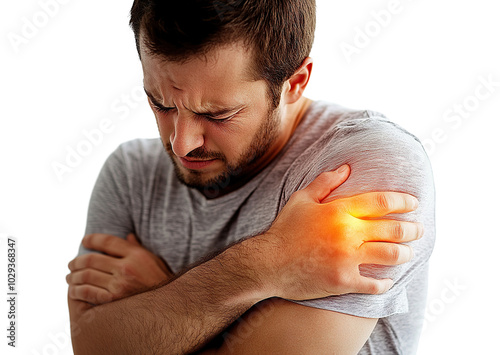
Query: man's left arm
[
  {"x": 383, "y": 157},
  {"x": 277, "y": 326}
]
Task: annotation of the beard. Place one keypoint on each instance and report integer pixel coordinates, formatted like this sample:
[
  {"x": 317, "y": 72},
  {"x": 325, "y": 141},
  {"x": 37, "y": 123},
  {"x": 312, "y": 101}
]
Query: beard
[{"x": 234, "y": 174}]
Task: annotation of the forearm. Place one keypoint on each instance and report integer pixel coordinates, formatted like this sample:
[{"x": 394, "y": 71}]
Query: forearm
[
  {"x": 182, "y": 315},
  {"x": 297, "y": 259}
]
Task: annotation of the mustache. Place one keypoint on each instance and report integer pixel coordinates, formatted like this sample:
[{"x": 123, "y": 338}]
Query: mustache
[{"x": 200, "y": 153}]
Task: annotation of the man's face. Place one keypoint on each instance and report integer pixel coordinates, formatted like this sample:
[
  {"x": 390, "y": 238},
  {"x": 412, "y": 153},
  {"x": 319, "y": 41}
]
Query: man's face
[{"x": 214, "y": 121}]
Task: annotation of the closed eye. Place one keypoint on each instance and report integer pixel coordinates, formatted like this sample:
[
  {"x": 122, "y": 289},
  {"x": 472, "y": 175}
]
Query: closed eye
[
  {"x": 218, "y": 120},
  {"x": 207, "y": 117},
  {"x": 162, "y": 109}
]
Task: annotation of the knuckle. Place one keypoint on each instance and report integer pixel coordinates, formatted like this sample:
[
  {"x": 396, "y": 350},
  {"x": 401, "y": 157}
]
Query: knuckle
[
  {"x": 297, "y": 195},
  {"x": 88, "y": 260},
  {"x": 398, "y": 231},
  {"x": 343, "y": 280},
  {"x": 103, "y": 297},
  {"x": 85, "y": 276},
  {"x": 394, "y": 253},
  {"x": 139, "y": 253},
  {"x": 106, "y": 241},
  {"x": 321, "y": 178},
  {"x": 127, "y": 271},
  {"x": 88, "y": 240},
  {"x": 117, "y": 288},
  {"x": 383, "y": 201},
  {"x": 326, "y": 177},
  {"x": 83, "y": 292},
  {"x": 374, "y": 288}
]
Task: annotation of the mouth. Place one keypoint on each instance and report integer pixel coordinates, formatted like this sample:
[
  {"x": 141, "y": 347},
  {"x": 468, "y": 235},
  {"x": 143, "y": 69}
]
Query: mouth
[{"x": 195, "y": 164}]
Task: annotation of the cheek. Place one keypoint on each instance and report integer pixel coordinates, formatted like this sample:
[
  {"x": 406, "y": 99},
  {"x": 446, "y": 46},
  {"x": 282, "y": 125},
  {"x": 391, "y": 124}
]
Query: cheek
[
  {"x": 234, "y": 138},
  {"x": 224, "y": 140}
]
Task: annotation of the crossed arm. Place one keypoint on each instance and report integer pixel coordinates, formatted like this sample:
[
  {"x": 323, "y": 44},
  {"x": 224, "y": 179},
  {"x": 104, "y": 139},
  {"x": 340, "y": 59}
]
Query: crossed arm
[{"x": 190, "y": 309}]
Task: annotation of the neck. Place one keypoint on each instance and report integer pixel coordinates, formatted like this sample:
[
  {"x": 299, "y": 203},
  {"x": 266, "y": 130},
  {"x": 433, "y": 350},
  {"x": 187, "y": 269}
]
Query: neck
[
  {"x": 292, "y": 116},
  {"x": 299, "y": 110}
]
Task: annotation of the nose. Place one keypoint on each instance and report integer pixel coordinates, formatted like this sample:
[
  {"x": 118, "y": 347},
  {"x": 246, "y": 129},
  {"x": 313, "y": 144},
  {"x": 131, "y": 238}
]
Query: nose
[{"x": 187, "y": 135}]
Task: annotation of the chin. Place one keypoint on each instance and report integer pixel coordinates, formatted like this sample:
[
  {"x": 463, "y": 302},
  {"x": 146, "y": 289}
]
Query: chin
[{"x": 198, "y": 179}]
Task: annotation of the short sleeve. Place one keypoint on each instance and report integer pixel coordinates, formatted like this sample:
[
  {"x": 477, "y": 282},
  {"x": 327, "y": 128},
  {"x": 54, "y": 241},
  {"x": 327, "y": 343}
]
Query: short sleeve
[
  {"x": 383, "y": 157},
  {"x": 110, "y": 201}
]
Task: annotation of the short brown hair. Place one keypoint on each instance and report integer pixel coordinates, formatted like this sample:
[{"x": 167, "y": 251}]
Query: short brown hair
[{"x": 280, "y": 32}]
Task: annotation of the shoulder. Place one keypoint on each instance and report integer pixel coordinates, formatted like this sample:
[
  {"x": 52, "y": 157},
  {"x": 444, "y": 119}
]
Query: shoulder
[
  {"x": 139, "y": 149},
  {"x": 381, "y": 153},
  {"x": 133, "y": 156},
  {"x": 129, "y": 166},
  {"x": 331, "y": 127},
  {"x": 337, "y": 119},
  {"x": 353, "y": 125}
]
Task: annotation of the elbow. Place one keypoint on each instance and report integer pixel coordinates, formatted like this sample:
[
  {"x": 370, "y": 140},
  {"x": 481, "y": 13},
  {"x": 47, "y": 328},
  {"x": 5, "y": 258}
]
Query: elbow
[
  {"x": 82, "y": 317},
  {"x": 80, "y": 335}
]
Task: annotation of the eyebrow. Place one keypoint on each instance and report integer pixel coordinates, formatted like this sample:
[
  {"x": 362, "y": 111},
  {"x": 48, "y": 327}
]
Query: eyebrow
[{"x": 208, "y": 113}]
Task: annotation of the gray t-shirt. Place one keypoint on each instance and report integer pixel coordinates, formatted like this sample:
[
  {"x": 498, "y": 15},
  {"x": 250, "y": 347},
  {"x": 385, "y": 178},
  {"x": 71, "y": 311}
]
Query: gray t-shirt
[{"x": 137, "y": 191}]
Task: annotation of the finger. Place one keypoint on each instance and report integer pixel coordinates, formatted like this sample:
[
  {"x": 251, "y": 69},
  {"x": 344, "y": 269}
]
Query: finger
[
  {"x": 385, "y": 253},
  {"x": 378, "y": 204},
  {"x": 373, "y": 286},
  {"x": 106, "y": 243},
  {"x": 90, "y": 277},
  {"x": 326, "y": 182},
  {"x": 391, "y": 231},
  {"x": 104, "y": 263},
  {"x": 90, "y": 294},
  {"x": 131, "y": 237}
]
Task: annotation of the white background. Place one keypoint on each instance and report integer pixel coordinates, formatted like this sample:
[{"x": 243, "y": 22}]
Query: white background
[{"x": 78, "y": 68}]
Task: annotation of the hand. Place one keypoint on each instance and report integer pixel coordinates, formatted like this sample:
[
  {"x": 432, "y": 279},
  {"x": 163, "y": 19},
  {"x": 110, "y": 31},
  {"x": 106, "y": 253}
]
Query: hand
[
  {"x": 321, "y": 244},
  {"x": 126, "y": 268}
]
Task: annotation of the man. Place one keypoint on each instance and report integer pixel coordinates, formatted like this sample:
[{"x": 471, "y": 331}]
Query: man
[{"x": 278, "y": 225}]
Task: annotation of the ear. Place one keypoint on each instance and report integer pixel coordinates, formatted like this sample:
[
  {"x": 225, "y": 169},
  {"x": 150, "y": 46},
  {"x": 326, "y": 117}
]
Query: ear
[{"x": 297, "y": 83}]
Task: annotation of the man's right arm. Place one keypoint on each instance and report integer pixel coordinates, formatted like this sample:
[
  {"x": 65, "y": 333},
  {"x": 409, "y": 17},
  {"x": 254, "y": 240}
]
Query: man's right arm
[
  {"x": 178, "y": 317},
  {"x": 186, "y": 313}
]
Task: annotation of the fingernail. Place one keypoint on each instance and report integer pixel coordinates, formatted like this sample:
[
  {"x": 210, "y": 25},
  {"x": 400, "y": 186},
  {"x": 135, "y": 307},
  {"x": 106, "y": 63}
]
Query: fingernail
[
  {"x": 420, "y": 230},
  {"x": 406, "y": 253},
  {"x": 342, "y": 169},
  {"x": 415, "y": 203}
]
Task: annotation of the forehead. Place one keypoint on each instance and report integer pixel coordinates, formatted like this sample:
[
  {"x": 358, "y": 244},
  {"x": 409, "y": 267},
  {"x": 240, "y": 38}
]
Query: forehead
[{"x": 223, "y": 69}]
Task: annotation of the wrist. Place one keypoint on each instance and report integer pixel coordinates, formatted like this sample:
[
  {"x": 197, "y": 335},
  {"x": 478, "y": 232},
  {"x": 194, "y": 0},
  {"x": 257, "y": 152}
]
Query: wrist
[{"x": 261, "y": 257}]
